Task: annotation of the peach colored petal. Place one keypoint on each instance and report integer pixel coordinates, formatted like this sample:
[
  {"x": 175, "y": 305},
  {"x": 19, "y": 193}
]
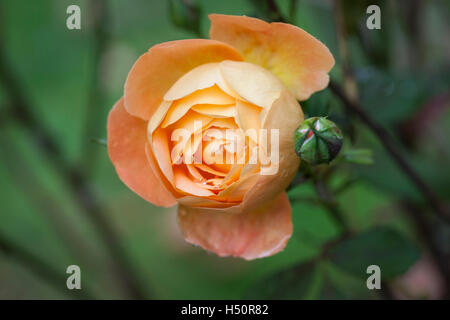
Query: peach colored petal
[
  {"x": 219, "y": 111},
  {"x": 203, "y": 76},
  {"x": 127, "y": 137},
  {"x": 252, "y": 82},
  {"x": 286, "y": 115},
  {"x": 237, "y": 190},
  {"x": 210, "y": 170},
  {"x": 158, "y": 174},
  {"x": 247, "y": 115},
  {"x": 157, "y": 70},
  {"x": 158, "y": 117},
  {"x": 301, "y": 61},
  {"x": 160, "y": 148},
  {"x": 253, "y": 234},
  {"x": 191, "y": 148},
  {"x": 194, "y": 172},
  {"x": 183, "y": 183},
  {"x": 209, "y": 204},
  {"x": 209, "y": 96},
  {"x": 233, "y": 174},
  {"x": 191, "y": 119},
  {"x": 227, "y": 123}
]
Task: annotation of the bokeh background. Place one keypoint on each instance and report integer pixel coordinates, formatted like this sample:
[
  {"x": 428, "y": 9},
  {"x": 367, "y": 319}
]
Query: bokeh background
[{"x": 61, "y": 202}]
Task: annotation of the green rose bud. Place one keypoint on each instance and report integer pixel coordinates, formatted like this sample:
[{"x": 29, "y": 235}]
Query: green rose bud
[{"x": 317, "y": 140}]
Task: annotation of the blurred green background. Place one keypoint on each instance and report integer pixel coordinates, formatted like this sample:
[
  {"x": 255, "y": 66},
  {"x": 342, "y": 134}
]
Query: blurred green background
[{"x": 63, "y": 204}]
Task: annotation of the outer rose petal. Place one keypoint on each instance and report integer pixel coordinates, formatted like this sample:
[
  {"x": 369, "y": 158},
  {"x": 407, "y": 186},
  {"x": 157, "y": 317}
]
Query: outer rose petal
[
  {"x": 286, "y": 115},
  {"x": 127, "y": 137},
  {"x": 158, "y": 69},
  {"x": 252, "y": 234},
  {"x": 297, "y": 58}
]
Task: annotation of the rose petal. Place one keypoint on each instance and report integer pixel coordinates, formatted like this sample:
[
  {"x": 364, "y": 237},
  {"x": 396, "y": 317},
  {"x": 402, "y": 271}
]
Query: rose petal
[
  {"x": 209, "y": 96},
  {"x": 253, "y": 234},
  {"x": 160, "y": 148},
  {"x": 188, "y": 186},
  {"x": 157, "y": 70},
  {"x": 248, "y": 119},
  {"x": 210, "y": 170},
  {"x": 301, "y": 61},
  {"x": 252, "y": 82},
  {"x": 204, "y": 76},
  {"x": 158, "y": 117},
  {"x": 127, "y": 137},
  {"x": 284, "y": 115},
  {"x": 237, "y": 190},
  {"x": 218, "y": 111},
  {"x": 194, "y": 172}
]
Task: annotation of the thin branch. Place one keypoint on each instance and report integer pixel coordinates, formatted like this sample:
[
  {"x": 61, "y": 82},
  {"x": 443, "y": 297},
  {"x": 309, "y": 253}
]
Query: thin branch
[
  {"x": 327, "y": 199},
  {"x": 276, "y": 14},
  {"x": 293, "y": 5},
  {"x": 329, "y": 202},
  {"x": 344, "y": 53},
  {"x": 389, "y": 145},
  {"x": 95, "y": 114},
  {"x": 42, "y": 200},
  {"x": 40, "y": 268}
]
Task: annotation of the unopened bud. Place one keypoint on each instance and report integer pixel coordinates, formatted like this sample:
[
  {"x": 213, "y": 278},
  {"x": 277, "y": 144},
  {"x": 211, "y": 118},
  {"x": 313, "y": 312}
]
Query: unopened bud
[{"x": 317, "y": 140}]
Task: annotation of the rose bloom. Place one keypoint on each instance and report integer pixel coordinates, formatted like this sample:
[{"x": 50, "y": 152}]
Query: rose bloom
[{"x": 248, "y": 79}]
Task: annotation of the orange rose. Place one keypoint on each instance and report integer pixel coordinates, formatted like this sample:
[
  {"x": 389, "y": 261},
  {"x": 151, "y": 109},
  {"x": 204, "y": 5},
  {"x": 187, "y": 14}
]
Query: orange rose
[{"x": 168, "y": 135}]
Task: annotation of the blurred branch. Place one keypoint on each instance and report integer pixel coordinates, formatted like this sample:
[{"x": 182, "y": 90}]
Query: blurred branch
[
  {"x": 344, "y": 53},
  {"x": 327, "y": 199},
  {"x": 42, "y": 200},
  {"x": 94, "y": 111},
  {"x": 41, "y": 268},
  {"x": 186, "y": 14},
  {"x": 276, "y": 14},
  {"x": 390, "y": 147},
  {"x": 345, "y": 185},
  {"x": 76, "y": 180},
  {"x": 293, "y": 5},
  {"x": 329, "y": 202}
]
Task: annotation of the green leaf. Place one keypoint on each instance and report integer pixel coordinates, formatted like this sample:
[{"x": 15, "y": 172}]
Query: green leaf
[
  {"x": 294, "y": 283},
  {"x": 381, "y": 246}
]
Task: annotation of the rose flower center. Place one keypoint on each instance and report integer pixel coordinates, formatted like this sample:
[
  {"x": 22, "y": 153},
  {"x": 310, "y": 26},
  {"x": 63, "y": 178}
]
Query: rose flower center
[{"x": 205, "y": 137}]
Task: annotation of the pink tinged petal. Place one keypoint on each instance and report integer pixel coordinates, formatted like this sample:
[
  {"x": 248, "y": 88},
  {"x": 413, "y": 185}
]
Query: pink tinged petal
[{"x": 252, "y": 234}]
